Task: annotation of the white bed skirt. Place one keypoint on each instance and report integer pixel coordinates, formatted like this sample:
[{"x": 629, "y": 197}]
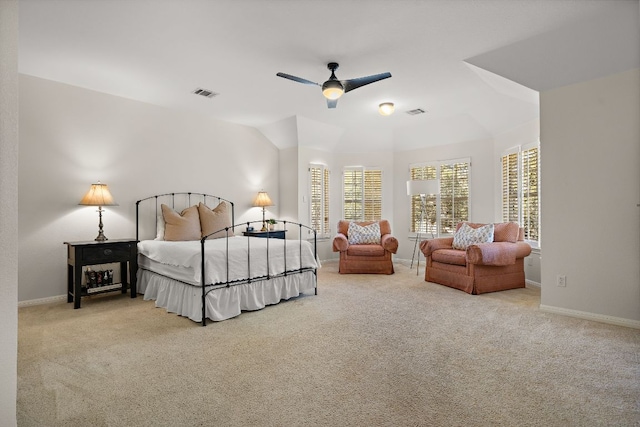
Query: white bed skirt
[{"x": 223, "y": 303}]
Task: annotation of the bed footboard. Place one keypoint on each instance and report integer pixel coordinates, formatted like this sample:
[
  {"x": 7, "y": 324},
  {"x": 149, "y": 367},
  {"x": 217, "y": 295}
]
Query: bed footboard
[{"x": 290, "y": 266}]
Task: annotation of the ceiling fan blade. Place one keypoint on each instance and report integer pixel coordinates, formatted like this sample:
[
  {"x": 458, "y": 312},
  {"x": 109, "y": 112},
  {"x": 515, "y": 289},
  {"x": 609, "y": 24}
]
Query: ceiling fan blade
[
  {"x": 332, "y": 103},
  {"x": 297, "y": 79},
  {"x": 361, "y": 81}
]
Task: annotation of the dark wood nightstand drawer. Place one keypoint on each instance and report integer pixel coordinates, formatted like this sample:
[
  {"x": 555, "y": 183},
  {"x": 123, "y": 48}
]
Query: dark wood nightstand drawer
[{"x": 115, "y": 253}]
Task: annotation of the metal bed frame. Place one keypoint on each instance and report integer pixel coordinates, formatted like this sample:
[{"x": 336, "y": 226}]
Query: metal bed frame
[{"x": 207, "y": 288}]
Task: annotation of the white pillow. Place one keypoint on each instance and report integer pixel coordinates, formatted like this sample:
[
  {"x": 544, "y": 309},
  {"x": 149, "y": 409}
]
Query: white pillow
[
  {"x": 160, "y": 227},
  {"x": 367, "y": 235},
  {"x": 467, "y": 236}
]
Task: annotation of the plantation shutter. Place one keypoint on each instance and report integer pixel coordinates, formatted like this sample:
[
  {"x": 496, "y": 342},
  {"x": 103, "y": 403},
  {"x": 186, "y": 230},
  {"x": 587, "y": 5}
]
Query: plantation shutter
[
  {"x": 430, "y": 224},
  {"x": 319, "y": 199},
  {"x": 451, "y": 206},
  {"x": 352, "y": 187},
  {"x": 325, "y": 212},
  {"x": 530, "y": 205},
  {"x": 362, "y": 189},
  {"x": 520, "y": 190},
  {"x": 454, "y": 195},
  {"x": 510, "y": 205},
  {"x": 372, "y": 195}
]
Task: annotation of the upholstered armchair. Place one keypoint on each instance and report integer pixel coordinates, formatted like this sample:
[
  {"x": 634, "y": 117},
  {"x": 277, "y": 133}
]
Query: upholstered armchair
[
  {"x": 365, "y": 247},
  {"x": 491, "y": 266}
]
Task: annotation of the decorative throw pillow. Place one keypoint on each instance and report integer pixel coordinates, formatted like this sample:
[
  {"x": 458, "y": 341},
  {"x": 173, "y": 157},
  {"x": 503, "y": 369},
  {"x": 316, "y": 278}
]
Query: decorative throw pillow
[
  {"x": 364, "y": 235},
  {"x": 212, "y": 220},
  {"x": 181, "y": 226},
  {"x": 467, "y": 236},
  {"x": 160, "y": 227}
]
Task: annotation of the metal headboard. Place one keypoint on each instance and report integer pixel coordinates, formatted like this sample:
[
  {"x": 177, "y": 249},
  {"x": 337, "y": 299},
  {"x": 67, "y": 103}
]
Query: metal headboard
[{"x": 170, "y": 199}]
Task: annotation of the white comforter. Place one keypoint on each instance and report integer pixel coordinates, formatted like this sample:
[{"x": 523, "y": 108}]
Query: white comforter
[{"x": 187, "y": 255}]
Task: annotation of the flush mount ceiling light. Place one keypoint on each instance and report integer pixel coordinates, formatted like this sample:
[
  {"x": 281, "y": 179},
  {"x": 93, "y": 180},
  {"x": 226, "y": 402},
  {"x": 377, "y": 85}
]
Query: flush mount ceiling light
[{"x": 386, "y": 108}]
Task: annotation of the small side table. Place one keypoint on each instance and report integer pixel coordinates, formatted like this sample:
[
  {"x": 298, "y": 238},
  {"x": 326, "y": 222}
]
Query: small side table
[
  {"x": 79, "y": 254},
  {"x": 275, "y": 234}
]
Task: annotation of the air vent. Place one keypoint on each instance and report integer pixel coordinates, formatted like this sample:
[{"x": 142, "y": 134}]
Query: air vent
[
  {"x": 416, "y": 112},
  {"x": 205, "y": 92}
]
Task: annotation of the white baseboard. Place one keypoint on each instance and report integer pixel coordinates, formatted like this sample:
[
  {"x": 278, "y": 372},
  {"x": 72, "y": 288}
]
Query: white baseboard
[
  {"x": 41, "y": 301},
  {"x": 619, "y": 321},
  {"x": 532, "y": 284}
]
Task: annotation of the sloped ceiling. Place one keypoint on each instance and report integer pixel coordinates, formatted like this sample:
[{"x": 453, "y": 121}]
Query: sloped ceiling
[{"x": 159, "y": 52}]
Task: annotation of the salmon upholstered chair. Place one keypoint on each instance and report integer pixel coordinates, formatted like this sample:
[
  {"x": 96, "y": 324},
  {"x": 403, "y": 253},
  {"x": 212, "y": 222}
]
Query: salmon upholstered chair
[
  {"x": 365, "y": 247},
  {"x": 479, "y": 258}
]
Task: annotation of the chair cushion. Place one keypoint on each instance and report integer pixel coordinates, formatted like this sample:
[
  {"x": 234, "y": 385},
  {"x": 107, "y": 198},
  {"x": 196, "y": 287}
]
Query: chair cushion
[
  {"x": 467, "y": 236},
  {"x": 364, "y": 235},
  {"x": 450, "y": 256},
  {"x": 365, "y": 250}
]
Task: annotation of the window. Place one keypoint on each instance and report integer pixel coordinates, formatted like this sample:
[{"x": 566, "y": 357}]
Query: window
[
  {"x": 362, "y": 194},
  {"x": 520, "y": 189},
  {"x": 445, "y": 210},
  {"x": 319, "y": 199}
]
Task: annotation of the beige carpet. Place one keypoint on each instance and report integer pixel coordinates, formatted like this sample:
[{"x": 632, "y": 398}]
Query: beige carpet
[{"x": 367, "y": 351}]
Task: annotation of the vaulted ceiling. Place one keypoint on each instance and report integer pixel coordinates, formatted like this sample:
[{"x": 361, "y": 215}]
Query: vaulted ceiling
[{"x": 438, "y": 53}]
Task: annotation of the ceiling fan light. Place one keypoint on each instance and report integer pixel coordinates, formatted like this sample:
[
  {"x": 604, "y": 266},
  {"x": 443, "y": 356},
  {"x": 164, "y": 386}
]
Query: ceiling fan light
[
  {"x": 386, "y": 108},
  {"x": 332, "y": 89}
]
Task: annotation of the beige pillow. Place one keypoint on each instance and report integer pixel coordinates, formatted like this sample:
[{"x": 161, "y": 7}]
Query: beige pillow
[
  {"x": 181, "y": 226},
  {"x": 212, "y": 220}
]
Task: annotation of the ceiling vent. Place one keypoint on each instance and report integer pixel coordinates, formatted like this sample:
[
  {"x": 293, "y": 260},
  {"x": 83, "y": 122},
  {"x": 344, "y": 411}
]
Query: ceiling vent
[
  {"x": 205, "y": 92},
  {"x": 416, "y": 112}
]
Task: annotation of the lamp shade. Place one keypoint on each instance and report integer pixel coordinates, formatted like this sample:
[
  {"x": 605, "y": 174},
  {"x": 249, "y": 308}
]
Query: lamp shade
[
  {"x": 422, "y": 186},
  {"x": 262, "y": 200},
  {"x": 98, "y": 195}
]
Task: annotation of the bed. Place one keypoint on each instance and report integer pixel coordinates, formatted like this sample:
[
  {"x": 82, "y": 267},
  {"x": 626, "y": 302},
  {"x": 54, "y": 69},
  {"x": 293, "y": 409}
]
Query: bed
[{"x": 193, "y": 260}]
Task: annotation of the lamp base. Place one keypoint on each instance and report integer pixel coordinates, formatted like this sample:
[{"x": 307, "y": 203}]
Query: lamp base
[{"x": 101, "y": 237}]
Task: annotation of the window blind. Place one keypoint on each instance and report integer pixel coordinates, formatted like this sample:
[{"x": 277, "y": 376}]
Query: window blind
[
  {"x": 444, "y": 211},
  {"x": 319, "y": 199},
  {"x": 362, "y": 194},
  {"x": 520, "y": 190},
  {"x": 530, "y": 202},
  {"x": 510, "y": 200}
]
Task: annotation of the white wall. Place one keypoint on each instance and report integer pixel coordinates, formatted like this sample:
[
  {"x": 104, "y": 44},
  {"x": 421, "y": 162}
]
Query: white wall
[
  {"x": 8, "y": 211},
  {"x": 481, "y": 191},
  {"x": 288, "y": 203},
  {"x": 71, "y": 137},
  {"x": 590, "y": 150}
]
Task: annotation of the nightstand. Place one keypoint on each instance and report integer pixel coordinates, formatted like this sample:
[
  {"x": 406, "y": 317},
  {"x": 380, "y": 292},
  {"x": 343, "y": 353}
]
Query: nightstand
[
  {"x": 79, "y": 254},
  {"x": 275, "y": 234}
]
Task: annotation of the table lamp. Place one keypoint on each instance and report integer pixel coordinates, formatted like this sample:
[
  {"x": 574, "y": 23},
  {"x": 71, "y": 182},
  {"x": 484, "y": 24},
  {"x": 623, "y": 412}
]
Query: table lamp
[
  {"x": 262, "y": 200},
  {"x": 98, "y": 195}
]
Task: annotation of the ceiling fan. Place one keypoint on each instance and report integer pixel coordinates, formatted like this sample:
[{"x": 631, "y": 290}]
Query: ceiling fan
[{"x": 333, "y": 88}]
